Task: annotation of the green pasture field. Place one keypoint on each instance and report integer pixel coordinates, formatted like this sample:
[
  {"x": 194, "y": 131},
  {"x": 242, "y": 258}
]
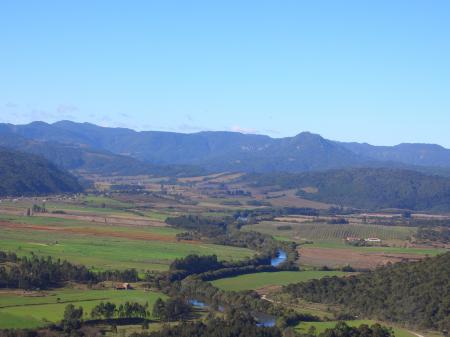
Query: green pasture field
[
  {"x": 140, "y": 214},
  {"x": 259, "y": 280},
  {"x": 321, "y": 232},
  {"x": 109, "y": 202},
  {"x": 322, "y": 326},
  {"x": 154, "y": 215},
  {"x": 103, "y": 252},
  {"x": 38, "y": 309}
]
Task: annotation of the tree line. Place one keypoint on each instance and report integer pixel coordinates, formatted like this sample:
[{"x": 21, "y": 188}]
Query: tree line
[
  {"x": 36, "y": 272},
  {"x": 108, "y": 310}
]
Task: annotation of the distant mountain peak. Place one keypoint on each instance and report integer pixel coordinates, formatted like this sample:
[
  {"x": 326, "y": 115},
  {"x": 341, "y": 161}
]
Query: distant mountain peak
[{"x": 231, "y": 151}]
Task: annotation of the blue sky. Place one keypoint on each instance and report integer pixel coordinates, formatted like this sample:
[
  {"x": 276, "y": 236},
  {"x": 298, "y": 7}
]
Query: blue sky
[{"x": 368, "y": 71}]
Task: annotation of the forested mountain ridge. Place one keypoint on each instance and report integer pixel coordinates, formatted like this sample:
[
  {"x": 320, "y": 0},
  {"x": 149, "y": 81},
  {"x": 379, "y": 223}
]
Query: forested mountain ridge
[
  {"x": 215, "y": 151},
  {"x": 431, "y": 155},
  {"x": 416, "y": 293},
  {"x": 84, "y": 159},
  {"x": 366, "y": 188},
  {"x": 26, "y": 174},
  {"x": 231, "y": 151}
]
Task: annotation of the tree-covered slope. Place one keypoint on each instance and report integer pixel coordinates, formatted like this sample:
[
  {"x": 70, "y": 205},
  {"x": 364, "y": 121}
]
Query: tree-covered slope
[
  {"x": 26, "y": 174},
  {"x": 417, "y": 293},
  {"x": 215, "y": 151},
  {"x": 83, "y": 159},
  {"x": 367, "y": 188},
  {"x": 232, "y": 151}
]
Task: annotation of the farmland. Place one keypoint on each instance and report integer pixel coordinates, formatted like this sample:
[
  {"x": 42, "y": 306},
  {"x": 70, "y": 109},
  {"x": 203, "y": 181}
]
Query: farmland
[
  {"x": 332, "y": 233},
  {"x": 323, "y": 244},
  {"x": 260, "y": 280},
  {"x": 104, "y": 246},
  {"x": 34, "y": 309},
  {"x": 129, "y": 231}
]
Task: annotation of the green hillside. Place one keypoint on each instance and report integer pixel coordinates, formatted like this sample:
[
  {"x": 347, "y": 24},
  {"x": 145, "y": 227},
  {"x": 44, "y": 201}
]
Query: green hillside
[
  {"x": 414, "y": 293},
  {"x": 26, "y": 174},
  {"x": 367, "y": 188}
]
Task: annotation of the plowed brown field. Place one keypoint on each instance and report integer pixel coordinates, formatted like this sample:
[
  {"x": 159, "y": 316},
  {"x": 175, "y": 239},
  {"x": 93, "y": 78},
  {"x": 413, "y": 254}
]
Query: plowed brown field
[
  {"x": 333, "y": 257},
  {"x": 94, "y": 232}
]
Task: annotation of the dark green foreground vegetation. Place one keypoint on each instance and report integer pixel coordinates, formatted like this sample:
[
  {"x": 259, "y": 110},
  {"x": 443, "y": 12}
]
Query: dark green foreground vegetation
[{"x": 413, "y": 293}]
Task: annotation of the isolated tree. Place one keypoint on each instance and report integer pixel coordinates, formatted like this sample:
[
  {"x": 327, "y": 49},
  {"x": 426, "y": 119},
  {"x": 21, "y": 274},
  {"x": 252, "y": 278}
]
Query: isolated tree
[
  {"x": 72, "y": 318},
  {"x": 159, "y": 309}
]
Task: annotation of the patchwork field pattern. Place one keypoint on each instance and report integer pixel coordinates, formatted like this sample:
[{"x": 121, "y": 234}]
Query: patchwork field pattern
[
  {"x": 105, "y": 246},
  {"x": 20, "y": 309},
  {"x": 332, "y": 232}
]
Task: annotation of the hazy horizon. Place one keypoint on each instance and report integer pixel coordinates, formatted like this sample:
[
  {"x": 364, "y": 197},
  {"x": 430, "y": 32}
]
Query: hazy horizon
[
  {"x": 366, "y": 72},
  {"x": 231, "y": 131}
]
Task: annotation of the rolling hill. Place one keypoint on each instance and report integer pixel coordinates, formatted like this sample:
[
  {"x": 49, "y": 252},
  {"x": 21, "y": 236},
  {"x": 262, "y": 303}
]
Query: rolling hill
[
  {"x": 82, "y": 159},
  {"x": 366, "y": 188},
  {"x": 416, "y": 293},
  {"x": 26, "y": 174}
]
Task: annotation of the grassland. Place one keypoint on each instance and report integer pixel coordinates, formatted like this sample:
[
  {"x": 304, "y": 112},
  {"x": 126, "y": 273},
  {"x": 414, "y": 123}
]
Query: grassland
[
  {"x": 105, "y": 246},
  {"x": 29, "y": 310},
  {"x": 322, "y": 326},
  {"x": 260, "y": 280},
  {"x": 102, "y": 200}
]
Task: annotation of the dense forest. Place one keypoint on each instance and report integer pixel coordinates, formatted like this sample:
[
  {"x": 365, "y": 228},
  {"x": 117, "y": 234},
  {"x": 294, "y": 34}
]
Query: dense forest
[
  {"x": 414, "y": 293},
  {"x": 366, "y": 188},
  {"x": 26, "y": 174}
]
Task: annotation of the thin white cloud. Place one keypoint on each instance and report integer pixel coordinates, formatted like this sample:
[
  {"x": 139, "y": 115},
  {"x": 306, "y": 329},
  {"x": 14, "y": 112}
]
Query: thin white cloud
[{"x": 237, "y": 128}]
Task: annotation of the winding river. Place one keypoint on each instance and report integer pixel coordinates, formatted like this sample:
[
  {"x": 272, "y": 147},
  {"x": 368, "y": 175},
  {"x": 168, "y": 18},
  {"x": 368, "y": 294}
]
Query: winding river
[
  {"x": 261, "y": 318},
  {"x": 279, "y": 259}
]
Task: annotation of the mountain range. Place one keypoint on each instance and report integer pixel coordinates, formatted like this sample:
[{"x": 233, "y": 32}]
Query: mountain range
[{"x": 94, "y": 149}]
